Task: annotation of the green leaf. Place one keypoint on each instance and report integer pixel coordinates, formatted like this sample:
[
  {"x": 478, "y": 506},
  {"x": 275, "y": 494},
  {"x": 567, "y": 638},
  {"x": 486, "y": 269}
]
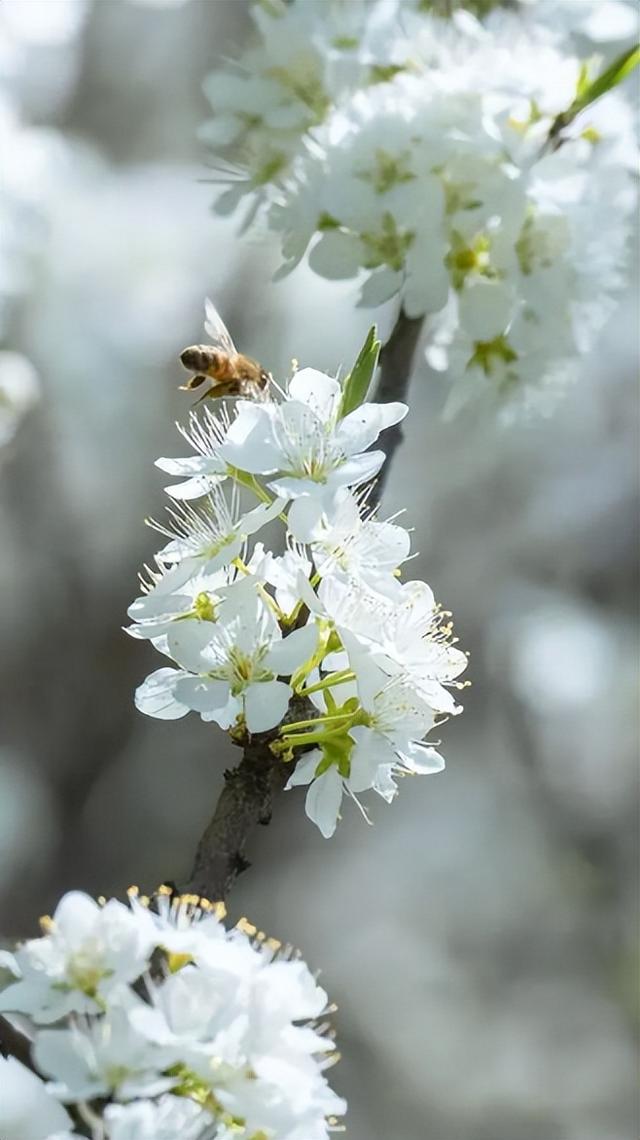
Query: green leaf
[
  {"x": 357, "y": 382},
  {"x": 588, "y": 91}
]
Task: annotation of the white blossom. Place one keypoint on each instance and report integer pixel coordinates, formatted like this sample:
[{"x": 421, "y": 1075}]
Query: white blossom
[
  {"x": 255, "y": 638},
  {"x": 434, "y": 170},
  {"x": 383, "y": 736},
  {"x": 86, "y": 951},
  {"x": 164, "y": 1119},
  {"x": 19, "y": 392},
  {"x": 303, "y": 439},
  {"x": 208, "y": 537},
  {"x": 216, "y": 1034},
  {"x": 229, "y": 667},
  {"x": 27, "y": 1110},
  {"x": 350, "y": 540}
]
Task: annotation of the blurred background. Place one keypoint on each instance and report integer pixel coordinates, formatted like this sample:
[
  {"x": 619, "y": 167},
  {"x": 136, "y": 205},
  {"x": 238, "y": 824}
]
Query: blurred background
[{"x": 481, "y": 940}]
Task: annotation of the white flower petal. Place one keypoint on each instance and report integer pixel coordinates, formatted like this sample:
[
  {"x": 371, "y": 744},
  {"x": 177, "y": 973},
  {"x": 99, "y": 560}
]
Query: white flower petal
[
  {"x": 193, "y": 465},
  {"x": 336, "y": 255},
  {"x": 423, "y": 759},
  {"x": 305, "y": 519},
  {"x": 202, "y": 694},
  {"x": 156, "y": 695},
  {"x": 288, "y": 654},
  {"x": 318, "y": 391},
  {"x": 250, "y": 444},
  {"x": 265, "y": 704},
  {"x": 27, "y": 1110},
  {"x": 323, "y": 801},
  {"x": 305, "y": 769},
  {"x": 361, "y": 427}
]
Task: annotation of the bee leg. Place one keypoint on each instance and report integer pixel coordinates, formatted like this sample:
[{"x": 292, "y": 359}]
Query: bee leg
[
  {"x": 193, "y": 382},
  {"x": 219, "y": 390}
]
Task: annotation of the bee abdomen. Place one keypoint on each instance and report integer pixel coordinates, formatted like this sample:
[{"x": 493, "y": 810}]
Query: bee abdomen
[{"x": 198, "y": 358}]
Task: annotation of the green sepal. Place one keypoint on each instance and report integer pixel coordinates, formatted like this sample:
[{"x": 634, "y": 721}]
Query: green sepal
[
  {"x": 357, "y": 383},
  {"x": 336, "y": 753}
]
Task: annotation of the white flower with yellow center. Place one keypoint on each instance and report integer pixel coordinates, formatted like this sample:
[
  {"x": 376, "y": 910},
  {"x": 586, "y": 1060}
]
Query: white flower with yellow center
[
  {"x": 229, "y": 668},
  {"x": 349, "y": 541},
  {"x": 216, "y": 1034},
  {"x": 105, "y": 1057},
  {"x": 206, "y": 538},
  {"x": 369, "y": 739},
  {"x": 86, "y": 952},
  {"x": 304, "y": 442}
]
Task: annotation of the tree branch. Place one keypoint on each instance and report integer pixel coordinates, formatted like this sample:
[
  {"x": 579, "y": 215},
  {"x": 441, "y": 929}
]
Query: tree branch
[
  {"x": 247, "y": 799},
  {"x": 396, "y": 365},
  {"x": 13, "y": 1043}
]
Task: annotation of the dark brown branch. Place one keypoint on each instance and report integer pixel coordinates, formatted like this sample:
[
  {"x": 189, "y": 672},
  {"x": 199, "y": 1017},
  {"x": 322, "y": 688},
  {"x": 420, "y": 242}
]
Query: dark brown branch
[
  {"x": 396, "y": 365},
  {"x": 247, "y": 799},
  {"x": 13, "y": 1043}
]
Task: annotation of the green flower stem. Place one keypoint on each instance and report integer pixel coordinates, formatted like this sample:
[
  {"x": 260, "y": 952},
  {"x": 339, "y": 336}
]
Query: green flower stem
[
  {"x": 316, "y": 720},
  {"x": 245, "y": 479},
  {"x": 301, "y": 739},
  {"x": 328, "y": 682}
]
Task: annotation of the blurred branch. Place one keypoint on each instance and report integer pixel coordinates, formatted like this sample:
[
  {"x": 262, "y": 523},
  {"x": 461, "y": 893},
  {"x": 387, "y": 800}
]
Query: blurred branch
[
  {"x": 247, "y": 799},
  {"x": 396, "y": 365},
  {"x": 13, "y": 1043}
]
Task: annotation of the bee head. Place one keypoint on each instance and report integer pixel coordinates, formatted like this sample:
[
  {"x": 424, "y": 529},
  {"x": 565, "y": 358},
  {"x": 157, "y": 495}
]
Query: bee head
[{"x": 264, "y": 378}]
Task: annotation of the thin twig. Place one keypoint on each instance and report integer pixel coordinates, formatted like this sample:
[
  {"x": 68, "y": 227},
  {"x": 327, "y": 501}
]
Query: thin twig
[{"x": 396, "y": 366}]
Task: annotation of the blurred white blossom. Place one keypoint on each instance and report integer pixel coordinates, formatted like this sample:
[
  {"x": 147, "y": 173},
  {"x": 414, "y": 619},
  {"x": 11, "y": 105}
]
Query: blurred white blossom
[
  {"x": 201, "y": 1031},
  {"x": 27, "y": 1110},
  {"x": 429, "y": 173},
  {"x": 19, "y": 392}
]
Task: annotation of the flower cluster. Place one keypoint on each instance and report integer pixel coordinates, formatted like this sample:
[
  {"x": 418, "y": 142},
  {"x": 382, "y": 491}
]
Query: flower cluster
[
  {"x": 426, "y": 166},
  {"x": 151, "y": 1021},
  {"x": 321, "y": 646}
]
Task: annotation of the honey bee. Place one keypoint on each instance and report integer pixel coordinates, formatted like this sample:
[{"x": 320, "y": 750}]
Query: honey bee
[{"x": 230, "y": 373}]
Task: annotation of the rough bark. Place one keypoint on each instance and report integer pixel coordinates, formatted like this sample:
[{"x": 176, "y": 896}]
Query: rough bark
[{"x": 247, "y": 799}]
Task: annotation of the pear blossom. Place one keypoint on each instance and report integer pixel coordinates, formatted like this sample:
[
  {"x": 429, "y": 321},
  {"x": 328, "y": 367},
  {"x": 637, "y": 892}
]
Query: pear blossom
[
  {"x": 158, "y": 1120},
  {"x": 163, "y": 1119},
  {"x": 229, "y": 667},
  {"x": 215, "y": 1034},
  {"x": 304, "y": 57},
  {"x": 303, "y": 440},
  {"x": 383, "y": 736},
  {"x": 256, "y": 637},
  {"x": 86, "y": 951},
  {"x": 105, "y": 1058},
  {"x": 208, "y": 537},
  {"x": 28, "y": 1111},
  {"x": 350, "y": 541}
]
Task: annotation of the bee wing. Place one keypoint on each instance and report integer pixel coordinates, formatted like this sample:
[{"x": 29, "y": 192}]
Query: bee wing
[{"x": 216, "y": 329}]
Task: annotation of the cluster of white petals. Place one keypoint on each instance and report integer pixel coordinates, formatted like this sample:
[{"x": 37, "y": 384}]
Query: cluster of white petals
[
  {"x": 317, "y": 641},
  {"x": 414, "y": 153},
  {"x": 153, "y": 1021}
]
